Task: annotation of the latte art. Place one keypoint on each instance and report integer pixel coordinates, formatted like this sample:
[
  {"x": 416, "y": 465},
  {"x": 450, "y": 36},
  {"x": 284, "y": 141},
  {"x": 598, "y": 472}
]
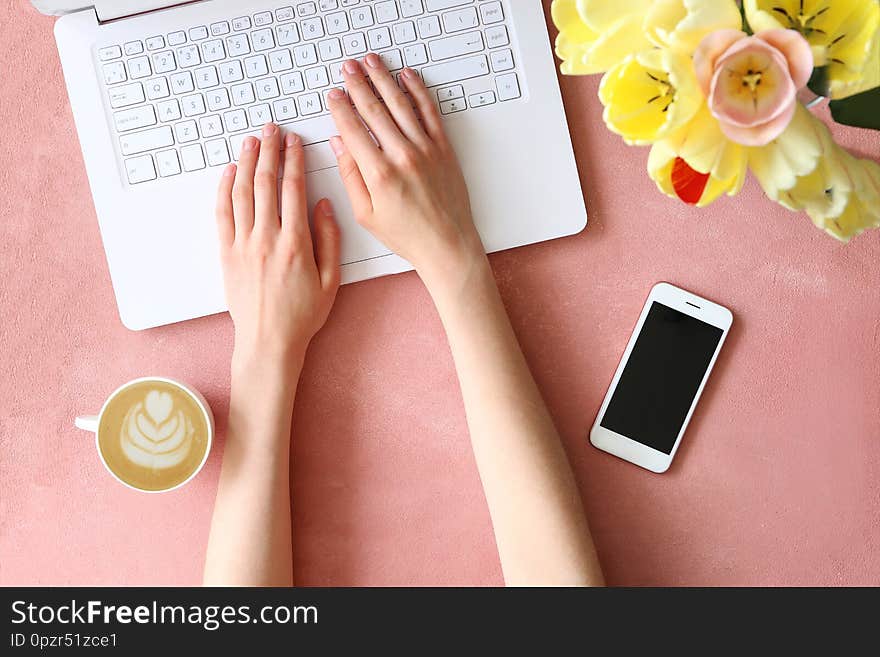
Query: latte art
[{"x": 154, "y": 434}]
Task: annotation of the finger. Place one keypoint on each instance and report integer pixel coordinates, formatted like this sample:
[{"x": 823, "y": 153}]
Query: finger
[
  {"x": 225, "y": 213},
  {"x": 294, "y": 212},
  {"x": 243, "y": 189},
  {"x": 354, "y": 133},
  {"x": 358, "y": 194},
  {"x": 266, "y": 179},
  {"x": 327, "y": 245},
  {"x": 371, "y": 109},
  {"x": 424, "y": 104},
  {"x": 398, "y": 104}
]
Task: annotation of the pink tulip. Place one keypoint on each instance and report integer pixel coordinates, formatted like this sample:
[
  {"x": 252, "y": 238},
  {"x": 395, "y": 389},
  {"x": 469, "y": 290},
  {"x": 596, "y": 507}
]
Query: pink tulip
[{"x": 751, "y": 82}]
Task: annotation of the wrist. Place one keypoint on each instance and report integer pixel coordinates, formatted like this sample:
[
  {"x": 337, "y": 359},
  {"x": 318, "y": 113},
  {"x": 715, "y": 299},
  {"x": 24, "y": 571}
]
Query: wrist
[{"x": 452, "y": 286}]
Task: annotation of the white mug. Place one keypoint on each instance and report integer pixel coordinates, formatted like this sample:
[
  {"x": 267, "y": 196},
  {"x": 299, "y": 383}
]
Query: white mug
[{"x": 93, "y": 423}]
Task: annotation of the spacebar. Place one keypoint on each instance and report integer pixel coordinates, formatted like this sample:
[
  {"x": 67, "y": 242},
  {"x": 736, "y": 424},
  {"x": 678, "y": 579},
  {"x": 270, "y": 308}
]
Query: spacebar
[{"x": 311, "y": 131}]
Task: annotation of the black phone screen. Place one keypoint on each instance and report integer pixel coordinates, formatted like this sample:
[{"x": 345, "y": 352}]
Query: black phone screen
[{"x": 661, "y": 378}]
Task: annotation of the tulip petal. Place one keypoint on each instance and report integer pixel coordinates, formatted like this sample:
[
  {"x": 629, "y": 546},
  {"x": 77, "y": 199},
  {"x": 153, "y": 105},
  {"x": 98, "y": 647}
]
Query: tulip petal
[
  {"x": 708, "y": 52},
  {"x": 796, "y": 51}
]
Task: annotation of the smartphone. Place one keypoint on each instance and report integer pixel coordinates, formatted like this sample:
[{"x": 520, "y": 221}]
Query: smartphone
[{"x": 660, "y": 377}]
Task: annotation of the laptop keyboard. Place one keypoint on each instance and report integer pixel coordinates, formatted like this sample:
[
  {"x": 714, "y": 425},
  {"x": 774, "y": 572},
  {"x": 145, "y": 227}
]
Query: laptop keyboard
[{"x": 184, "y": 101}]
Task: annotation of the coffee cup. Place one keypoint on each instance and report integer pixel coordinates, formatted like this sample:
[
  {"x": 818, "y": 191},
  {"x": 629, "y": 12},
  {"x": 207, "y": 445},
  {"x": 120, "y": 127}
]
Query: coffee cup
[{"x": 153, "y": 434}]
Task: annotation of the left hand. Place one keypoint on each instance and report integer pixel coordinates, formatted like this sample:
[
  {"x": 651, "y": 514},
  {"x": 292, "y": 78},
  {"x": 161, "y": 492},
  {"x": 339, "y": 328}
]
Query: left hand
[{"x": 280, "y": 286}]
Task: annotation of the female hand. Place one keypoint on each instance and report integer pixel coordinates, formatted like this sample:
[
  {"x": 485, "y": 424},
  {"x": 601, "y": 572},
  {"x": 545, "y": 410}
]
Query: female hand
[
  {"x": 408, "y": 190},
  {"x": 279, "y": 286}
]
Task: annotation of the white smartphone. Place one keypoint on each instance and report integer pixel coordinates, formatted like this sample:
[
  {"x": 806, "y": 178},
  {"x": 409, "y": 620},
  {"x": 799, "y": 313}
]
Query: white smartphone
[{"x": 660, "y": 377}]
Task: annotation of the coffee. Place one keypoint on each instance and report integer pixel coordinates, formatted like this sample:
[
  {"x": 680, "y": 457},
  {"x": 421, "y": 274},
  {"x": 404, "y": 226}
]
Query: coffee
[{"x": 153, "y": 435}]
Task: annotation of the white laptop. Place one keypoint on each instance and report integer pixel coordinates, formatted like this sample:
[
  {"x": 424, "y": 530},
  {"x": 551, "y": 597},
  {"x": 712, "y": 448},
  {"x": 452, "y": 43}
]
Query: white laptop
[{"x": 164, "y": 92}]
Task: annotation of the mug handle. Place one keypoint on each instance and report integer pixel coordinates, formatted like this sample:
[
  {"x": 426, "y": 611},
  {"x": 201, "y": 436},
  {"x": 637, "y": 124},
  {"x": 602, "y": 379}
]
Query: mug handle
[{"x": 87, "y": 423}]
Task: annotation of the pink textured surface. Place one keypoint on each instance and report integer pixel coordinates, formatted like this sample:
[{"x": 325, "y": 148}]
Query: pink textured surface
[{"x": 777, "y": 482}]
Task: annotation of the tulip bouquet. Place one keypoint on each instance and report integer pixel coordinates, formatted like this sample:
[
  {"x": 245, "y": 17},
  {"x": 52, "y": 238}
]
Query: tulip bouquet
[{"x": 717, "y": 88}]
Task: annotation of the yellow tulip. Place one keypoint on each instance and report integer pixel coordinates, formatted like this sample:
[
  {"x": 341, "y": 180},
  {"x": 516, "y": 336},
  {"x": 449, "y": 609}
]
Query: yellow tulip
[
  {"x": 843, "y": 34},
  {"x": 595, "y": 35},
  {"x": 861, "y": 209},
  {"x": 650, "y": 95},
  {"x": 684, "y": 23},
  {"x": 698, "y": 163}
]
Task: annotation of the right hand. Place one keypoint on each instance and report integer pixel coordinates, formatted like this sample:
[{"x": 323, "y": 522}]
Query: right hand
[{"x": 408, "y": 190}]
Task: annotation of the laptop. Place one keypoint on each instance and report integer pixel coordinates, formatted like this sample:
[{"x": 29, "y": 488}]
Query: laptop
[{"x": 163, "y": 93}]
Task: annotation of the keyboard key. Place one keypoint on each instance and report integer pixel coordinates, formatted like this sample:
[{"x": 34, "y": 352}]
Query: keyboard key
[
  {"x": 155, "y": 43},
  {"x": 263, "y": 40},
  {"x": 115, "y": 73},
  {"x": 379, "y": 38},
  {"x": 337, "y": 23},
  {"x": 139, "y": 68},
  {"x": 212, "y": 51},
  {"x": 386, "y": 12},
  {"x": 497, "y": 36},
  {"x": 317, "y": 77},
  {"x": 462, "y": 19},
  {"x": 189, "y": 56},
  {"x": 455, "y": 71},
  {"x": 482, "y": 99},
  {"x": 217, "y": 100},
  {"x": 491, "y": 13},
  {"x": 508, "y": 86},
  {"x": 168, "y": 163},
  {"x": 110, "y": 52},
  {"x": 287, "y": 34},
  {"x": 415, "y": 55},
  {"x": 243, "y": 94},
  {"x": 280, "y": 61},
  {"x": 312, "y": 131},
  {"x": 361, "y": 17},
  {"x": 241, "y": 23},
  {"x": 176, "y": 39},
  {"x": 219, "y": 29},
  {"x": 255, "y": 67},
  {"x": 217, "y": 152},
  {"x": 231, "y": 72},
  {"x": 305, "y": 55},
  {"x": 259, "y": 115},
  {"x": 309, "y": 104},
  {"x": 263, "y": 18},
  {"x": 285, "y": 110},
  {"x": 237, "y": 45},
  {"x": 354, "y": 44},
  {"x": 140, "y": 169},
  {"x": 193, "y": 105},
  {"x": 134, "y": 119},
  {"x": 134, "y": 48},
  {"x": 455, "y": 46},
  {"x": 392, "y": 59},
  {"x": 312, "y": 28},
  {"x": 235, "y": 121},
  {"x": 306, "y": 9},
  {"x": 411, "y": 8},
  {"x": 267, "y": 89},
  {"x": 211, "y": 126},
  {"x": 328, "y": 5},
  {"x": 147, "y": 140},
  {"x": 284, "y": 14},
  {"x": 502, "y": 60},
  {"x": 157, "y": 88},
  {"x": 207, "y": 77},
  {"x": 453, "y": 106},
  {"x": 198, "y": 33},
  {"x": 330, "y": 49},
  {"x": 440, "y": 5},
  {"x": 164, "y": 62},
  {"x": 448, "y": 93},
  {"x": 193, "y": 157},
  {"x": 186, "y": 132},
  {"x": 168, "y": 110},
  {"x": 404, "y": 32},
  {"x": 130, "y": 94},
  {"x": 182, "y": 83},
  {"x": 292, "y": 83},
  {"x": 429, "y": 26},
  {"x": 336, "y": 73}
]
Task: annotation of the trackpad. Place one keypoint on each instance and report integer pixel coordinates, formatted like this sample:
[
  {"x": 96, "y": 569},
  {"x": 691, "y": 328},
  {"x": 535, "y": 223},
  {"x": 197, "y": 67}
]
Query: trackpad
[{"x": 323, "y": 181}]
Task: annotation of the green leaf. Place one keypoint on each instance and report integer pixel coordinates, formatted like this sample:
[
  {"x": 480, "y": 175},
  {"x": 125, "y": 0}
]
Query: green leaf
[
  {"x": 860, "y": 111},
  {"x": 818, "y": 83}
]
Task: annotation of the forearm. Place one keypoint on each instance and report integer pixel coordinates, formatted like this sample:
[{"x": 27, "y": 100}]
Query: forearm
[
  {"x": 250, "y": 542},
  {"x": 540, "y": 527}
]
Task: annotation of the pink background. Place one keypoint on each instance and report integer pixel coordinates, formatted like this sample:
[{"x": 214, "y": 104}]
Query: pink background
[{"x": 775, "y": 483}]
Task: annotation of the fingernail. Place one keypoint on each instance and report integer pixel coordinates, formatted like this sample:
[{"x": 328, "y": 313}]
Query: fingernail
[
  {"x": 337, "y": 146},
  {"x": 229, "y": 171},
  {"x": 351, "y": 67},
  {"x": 336, "y": 94},
  {"x": 291, "y": 140},
  {"x": 408, "y": 72},
  {"x": 269, "y": 129},
  {"x": 250, "y": 144},
  {"x": 373, "y": 60},
  {"x": 327, "y": 208}
]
